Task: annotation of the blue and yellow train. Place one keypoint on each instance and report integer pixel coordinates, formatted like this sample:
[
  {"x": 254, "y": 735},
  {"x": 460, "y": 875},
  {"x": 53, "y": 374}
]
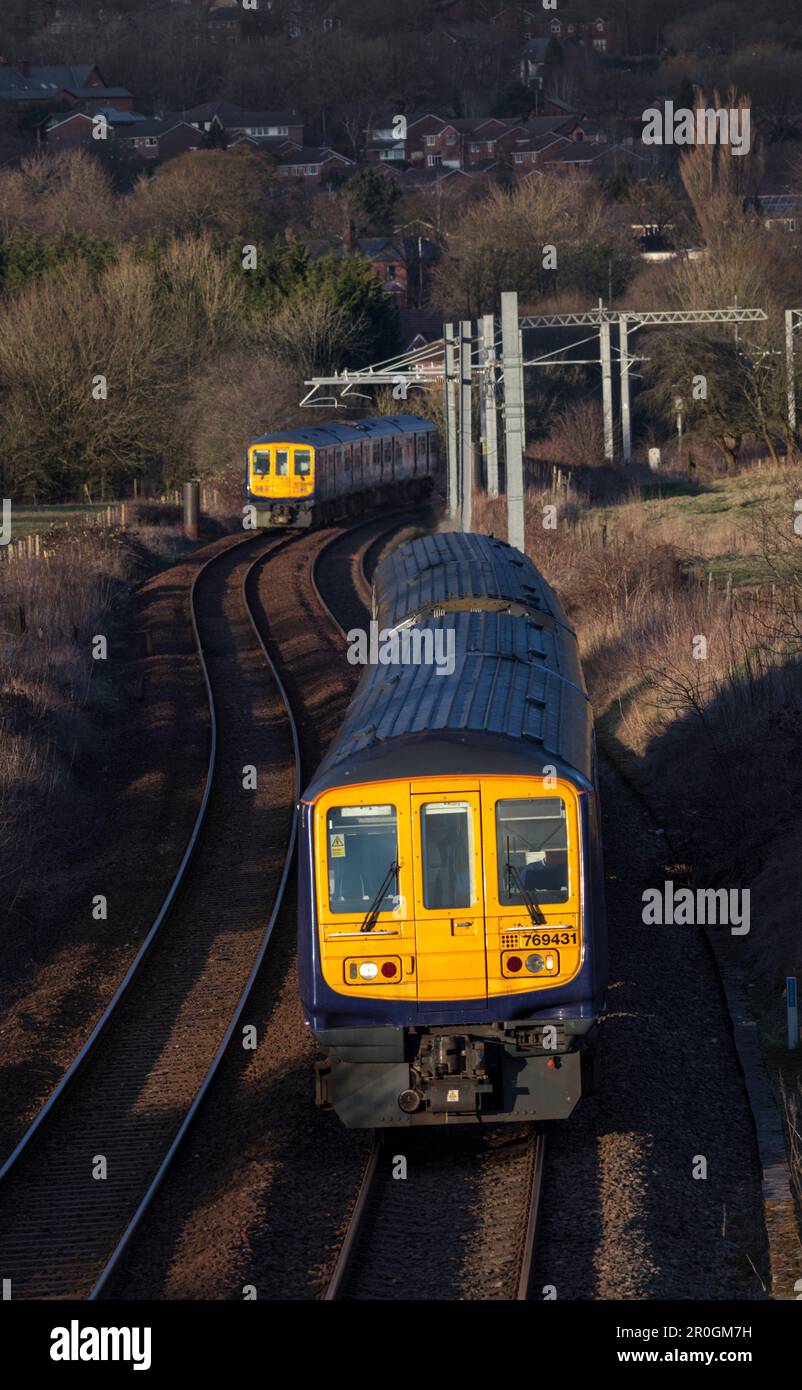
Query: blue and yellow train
[
  {"x": 452, "y": 933},
  {"x": 336, "y": 470}
]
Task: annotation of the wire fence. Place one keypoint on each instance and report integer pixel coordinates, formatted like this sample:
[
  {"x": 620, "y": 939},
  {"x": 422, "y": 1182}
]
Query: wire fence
[{"x": 37, "y": 544}]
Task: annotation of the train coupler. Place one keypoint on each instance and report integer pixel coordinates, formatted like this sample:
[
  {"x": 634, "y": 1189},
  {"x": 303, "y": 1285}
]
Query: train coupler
[{"x": 449, "y": 1075}]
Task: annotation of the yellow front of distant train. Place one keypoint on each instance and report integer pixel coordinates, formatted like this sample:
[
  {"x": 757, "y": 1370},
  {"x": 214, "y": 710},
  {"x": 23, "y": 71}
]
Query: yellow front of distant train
[{"x": 330, "y": 471}]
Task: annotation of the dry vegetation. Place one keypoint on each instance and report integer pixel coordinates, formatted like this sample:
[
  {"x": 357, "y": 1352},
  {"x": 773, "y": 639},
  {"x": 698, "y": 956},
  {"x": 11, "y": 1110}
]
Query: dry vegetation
[{"x": 57, "y": 704}]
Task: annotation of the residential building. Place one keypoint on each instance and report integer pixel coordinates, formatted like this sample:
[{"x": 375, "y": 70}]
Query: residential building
[
  {"x": 83, "y": 86},
  {"x": 236, "y": 121},
  {"x": 314, "y": 164},
  {"x": 82, "y": 127}
]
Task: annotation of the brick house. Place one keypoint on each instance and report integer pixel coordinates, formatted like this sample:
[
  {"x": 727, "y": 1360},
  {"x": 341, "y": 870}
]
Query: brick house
[
  {"x": 161, "y": 139},
  {"x": 78, "y": 127},
  {"x": 598, "y": 34},
  {"x": 402, "y": 264},
  {"x": 236, "y": 121},
  {"x": 82, "y": 86},
  {"x": 422, "y": 132},
  {"x": 588, "y": 158},
  {"x": 515, "y": 19},
  {"x": 315, "y": 164}
]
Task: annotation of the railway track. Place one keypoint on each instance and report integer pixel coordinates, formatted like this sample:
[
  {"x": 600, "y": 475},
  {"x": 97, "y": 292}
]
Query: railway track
[
  {"x": 306, "y": 652},
  {"x": 78, "y": 1183},
  {"x": 443, "y": 1216}
]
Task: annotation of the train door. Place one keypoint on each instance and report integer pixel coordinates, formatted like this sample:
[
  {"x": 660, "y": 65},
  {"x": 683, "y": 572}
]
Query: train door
[{"x": 449, "y": 896}]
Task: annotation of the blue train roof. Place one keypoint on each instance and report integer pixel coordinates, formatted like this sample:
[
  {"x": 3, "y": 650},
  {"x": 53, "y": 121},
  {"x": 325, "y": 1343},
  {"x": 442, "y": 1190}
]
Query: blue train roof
[
  {"x": 451, "y": 570},
  {"x": 333, "y": 432},
  {"x": 514, "y": 703}
]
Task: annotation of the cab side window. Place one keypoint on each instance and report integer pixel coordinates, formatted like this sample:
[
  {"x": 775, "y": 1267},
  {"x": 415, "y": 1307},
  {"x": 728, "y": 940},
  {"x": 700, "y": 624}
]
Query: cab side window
[
  {"x": 303, "y": 463},
  {"x": 362, "y": 850},
  {"x": 532, "y": 847}
]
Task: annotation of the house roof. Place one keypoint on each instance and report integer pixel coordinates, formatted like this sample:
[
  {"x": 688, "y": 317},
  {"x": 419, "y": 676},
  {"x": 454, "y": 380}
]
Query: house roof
[
  {"x": 551, "y": 125},
  {"x": 312, "y": 154},
  {"x": 162, "y": 127},
  {"x": 380, "y": 248},
  {"x": 97, "y": 93},
  {"x": 238, "y": 116},
  {"x": 112, "y": 115},
  {"x": 46, "y": 81}
]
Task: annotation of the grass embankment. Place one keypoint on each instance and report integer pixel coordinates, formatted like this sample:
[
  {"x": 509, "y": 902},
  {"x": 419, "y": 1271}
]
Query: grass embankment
[{"x": 709, "y": 729}]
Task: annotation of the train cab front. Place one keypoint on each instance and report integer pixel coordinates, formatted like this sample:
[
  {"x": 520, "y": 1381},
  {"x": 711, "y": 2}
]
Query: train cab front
[
  {"x": 281, "y": 483},
  {"x": 451, "y": 977}
]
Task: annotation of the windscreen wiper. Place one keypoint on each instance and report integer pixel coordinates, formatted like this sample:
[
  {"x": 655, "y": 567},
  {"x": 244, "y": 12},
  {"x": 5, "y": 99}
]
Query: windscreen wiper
[
  {"x": 375, "y": 907},
  {"x": 532, "y": 905}
]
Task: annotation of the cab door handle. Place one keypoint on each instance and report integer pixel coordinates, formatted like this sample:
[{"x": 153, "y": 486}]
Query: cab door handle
[{"x": 462, "y": 927}]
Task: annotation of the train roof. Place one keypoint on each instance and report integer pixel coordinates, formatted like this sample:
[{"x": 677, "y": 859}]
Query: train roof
[
  {"x": 334, "y": 432},
  {"x": 452, "y": 570},
  {"x": 514, "y": 703}
]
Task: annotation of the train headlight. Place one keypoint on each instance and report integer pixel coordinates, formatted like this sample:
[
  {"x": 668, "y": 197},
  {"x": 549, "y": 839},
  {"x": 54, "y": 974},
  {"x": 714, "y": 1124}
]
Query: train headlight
[
  {"x": 382, "y": 970},
  {"x": 540, "y": 963}
]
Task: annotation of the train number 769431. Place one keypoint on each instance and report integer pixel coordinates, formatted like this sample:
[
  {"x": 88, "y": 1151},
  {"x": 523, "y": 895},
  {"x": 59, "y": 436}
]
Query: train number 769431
[{"x": 546, "y": 938}]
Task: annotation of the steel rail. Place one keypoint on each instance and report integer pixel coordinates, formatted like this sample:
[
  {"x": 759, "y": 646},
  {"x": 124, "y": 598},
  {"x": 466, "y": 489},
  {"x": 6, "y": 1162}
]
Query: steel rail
[
  {"x": 134, "y": 968},
  {"x": 382, "y": 535},
  {"x": 201, "y": 1093},
  {"x": 528, "y": 1244},
  {"x": 346, "y": 1250}
]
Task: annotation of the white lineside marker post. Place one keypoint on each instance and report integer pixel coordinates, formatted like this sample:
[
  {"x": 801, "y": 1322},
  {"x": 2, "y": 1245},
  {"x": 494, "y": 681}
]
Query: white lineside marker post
[{"x": 793, "y": 1012}]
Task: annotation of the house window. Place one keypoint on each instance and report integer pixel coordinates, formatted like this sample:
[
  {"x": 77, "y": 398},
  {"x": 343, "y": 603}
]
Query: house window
[
  {"x": 431, "y": 139},
  {"x": 600, "y": 45},
  {"x": 475, "y": 148},
  {"x": 600, "y": 26},
  {"x": 390, "y": 272},
  {"x": 311, "y": 169},
  {"x": 433, "y": 160},
  {"x": 451, "y": 139},
  {"x": 519, "y": 159},
  {"x": 150, "y": 141},
  {"x": 556, "y": 27}
]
